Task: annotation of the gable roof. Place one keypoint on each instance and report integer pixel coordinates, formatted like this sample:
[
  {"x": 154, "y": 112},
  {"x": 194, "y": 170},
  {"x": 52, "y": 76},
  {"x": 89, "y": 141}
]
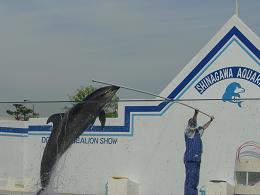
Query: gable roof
[{"x": 234, "y": 28}]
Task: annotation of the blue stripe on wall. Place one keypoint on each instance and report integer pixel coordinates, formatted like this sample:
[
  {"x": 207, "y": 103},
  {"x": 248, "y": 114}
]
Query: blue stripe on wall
[{"x": 13, "y": 130}]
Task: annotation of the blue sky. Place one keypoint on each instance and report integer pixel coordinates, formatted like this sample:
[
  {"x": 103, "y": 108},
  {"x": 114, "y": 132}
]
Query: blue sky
[{"x": 49, "y": 48}]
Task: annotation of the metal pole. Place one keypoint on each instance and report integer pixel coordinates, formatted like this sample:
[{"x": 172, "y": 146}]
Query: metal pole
[
  {"x": 145, "y": 92},
  {"x": 132, "y": 89},
  {"x": 237, "y": 8}
]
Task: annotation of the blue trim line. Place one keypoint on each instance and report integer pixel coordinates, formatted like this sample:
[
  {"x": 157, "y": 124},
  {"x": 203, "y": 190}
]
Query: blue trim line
[
  {"x": 14, "y": 135},
  {"x": 39, "y": 128},
  {"x": 13, "y": 130},
  {"x": 175, "y": 94}
]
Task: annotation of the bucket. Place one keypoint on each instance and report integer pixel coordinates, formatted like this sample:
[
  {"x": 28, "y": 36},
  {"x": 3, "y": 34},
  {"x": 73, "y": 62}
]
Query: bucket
[{"x": 202, "y": 190}]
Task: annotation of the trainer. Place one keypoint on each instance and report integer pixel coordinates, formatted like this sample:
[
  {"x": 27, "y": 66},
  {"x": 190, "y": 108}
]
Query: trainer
[{"x": 192, "y": 156}]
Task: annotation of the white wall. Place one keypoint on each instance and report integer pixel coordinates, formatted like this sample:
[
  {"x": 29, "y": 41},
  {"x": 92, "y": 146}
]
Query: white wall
[{"x": 152, "y": 153}]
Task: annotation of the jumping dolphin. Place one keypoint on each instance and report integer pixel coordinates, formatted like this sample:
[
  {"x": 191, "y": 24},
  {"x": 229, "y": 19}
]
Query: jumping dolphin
[{"x": 69, "y": 126}]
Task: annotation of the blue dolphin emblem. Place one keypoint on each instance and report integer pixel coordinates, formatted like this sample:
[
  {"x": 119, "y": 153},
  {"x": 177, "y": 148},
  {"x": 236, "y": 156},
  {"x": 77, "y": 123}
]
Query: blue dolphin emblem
[{"x": 232, "y": 93}]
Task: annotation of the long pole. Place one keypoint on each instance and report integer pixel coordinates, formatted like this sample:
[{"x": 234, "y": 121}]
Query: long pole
[
  {"x": 148, "y": 93},
  {"x": 132, "y": 100},
  {"x": 132, "y": 89}
]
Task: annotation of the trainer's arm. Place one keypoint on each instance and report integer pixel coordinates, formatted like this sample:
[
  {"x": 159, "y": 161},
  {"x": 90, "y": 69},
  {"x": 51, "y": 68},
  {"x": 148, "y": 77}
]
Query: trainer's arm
[
  {"x": 206, "y": 125},
  {"x": 194, "y": 118}
]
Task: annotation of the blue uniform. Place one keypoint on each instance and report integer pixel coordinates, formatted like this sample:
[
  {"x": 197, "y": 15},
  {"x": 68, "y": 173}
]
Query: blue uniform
[{"x": 192, "y": 158}]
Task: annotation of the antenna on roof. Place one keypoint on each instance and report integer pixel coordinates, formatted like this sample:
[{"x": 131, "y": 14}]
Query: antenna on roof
[{"x": 237, "y": 8}]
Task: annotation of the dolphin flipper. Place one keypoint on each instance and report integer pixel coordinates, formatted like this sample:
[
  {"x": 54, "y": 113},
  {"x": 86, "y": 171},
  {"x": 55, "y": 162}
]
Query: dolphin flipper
[{"x": 102, "y": 118}]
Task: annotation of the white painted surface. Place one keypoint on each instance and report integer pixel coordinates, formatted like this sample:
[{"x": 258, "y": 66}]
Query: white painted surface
[
  {"x": 219, "y": 188},
  {"x": 122, "y": 186},
  {"x": 153, "y": 155}
]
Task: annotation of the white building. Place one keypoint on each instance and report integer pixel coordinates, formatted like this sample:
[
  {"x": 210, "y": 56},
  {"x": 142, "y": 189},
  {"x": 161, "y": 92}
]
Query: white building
[{"x": 146, "y": 143}]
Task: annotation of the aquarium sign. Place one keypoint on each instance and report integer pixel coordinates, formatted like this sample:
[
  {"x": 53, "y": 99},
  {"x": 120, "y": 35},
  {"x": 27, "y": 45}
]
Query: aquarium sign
[{"x": 228, "y": 73}]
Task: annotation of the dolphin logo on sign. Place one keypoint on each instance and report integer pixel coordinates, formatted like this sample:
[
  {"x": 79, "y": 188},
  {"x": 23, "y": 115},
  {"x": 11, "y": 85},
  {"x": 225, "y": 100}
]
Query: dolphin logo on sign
[{"x": 232, "y": 93}]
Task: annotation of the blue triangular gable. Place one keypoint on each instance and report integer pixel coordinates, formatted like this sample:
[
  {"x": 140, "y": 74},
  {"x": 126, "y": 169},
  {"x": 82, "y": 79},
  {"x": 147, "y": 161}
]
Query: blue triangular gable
[{"x": 173, "y": 95}]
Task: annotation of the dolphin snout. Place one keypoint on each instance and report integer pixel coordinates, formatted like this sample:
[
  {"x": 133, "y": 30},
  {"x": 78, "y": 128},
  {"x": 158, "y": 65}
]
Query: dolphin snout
[
  {"x": 242, "y": 90},
  {"x": 112, "y": 90}
]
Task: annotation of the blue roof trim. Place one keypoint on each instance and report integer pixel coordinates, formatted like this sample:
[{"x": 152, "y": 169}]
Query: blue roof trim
[
  {"x": 175, "y": 94},
  {"x": 211, "y": 54},
  {"x": 249, "y": 45}
]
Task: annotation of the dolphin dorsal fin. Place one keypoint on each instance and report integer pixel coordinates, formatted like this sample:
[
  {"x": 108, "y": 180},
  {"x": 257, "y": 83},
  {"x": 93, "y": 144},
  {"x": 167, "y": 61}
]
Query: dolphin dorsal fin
[{"x": 102, "y": 118}]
